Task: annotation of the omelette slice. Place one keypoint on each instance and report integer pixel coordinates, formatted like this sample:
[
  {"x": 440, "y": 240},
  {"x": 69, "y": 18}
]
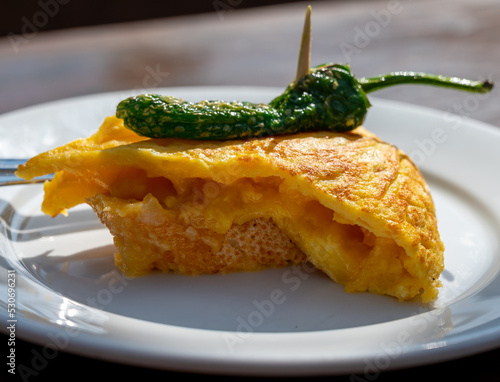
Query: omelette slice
[{"x": 354, "y": 206}]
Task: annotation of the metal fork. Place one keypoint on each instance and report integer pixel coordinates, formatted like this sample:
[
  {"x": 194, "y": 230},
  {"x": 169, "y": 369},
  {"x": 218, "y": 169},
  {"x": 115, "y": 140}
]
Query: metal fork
[{"x": 7, "y": 170}]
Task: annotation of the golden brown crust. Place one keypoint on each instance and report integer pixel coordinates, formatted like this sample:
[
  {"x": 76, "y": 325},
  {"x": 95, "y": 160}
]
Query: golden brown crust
[{"x": 145, "y": 227}]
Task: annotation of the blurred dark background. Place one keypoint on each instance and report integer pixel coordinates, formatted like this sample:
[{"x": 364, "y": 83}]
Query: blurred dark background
[
  {"x": 240, "y": 43},
  {"x": 18, "y": 15}
]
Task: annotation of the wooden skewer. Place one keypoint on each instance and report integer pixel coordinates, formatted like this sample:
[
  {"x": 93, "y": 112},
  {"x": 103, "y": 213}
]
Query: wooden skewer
[{"x": 305, "y": 47}]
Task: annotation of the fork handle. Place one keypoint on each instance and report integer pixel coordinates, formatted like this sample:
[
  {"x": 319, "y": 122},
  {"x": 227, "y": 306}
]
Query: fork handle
[{"x": 8, "y": 167}]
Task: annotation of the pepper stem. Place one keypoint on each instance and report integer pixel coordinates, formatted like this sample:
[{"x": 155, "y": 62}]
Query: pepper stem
[
  {"x": 305, "y": 47},
  {"x": 398, "y": 78}
]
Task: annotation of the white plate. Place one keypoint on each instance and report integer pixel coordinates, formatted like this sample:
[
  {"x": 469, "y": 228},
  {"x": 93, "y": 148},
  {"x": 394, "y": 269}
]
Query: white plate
[{"x": 291, "y": 321}]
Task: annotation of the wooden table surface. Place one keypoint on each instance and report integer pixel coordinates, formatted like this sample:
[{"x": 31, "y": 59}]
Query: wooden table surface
[{"x": 259, "y": 47}]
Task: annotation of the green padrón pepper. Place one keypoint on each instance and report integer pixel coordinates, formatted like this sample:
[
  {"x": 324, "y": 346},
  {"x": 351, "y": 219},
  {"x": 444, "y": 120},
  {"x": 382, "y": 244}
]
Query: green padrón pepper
[{"x": 328, "y": 98}]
